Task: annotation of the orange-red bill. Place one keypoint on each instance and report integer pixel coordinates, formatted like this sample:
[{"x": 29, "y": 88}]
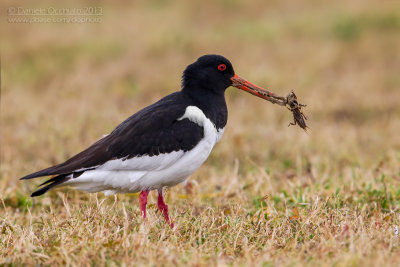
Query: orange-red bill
[{"x": 253, "y": 89}]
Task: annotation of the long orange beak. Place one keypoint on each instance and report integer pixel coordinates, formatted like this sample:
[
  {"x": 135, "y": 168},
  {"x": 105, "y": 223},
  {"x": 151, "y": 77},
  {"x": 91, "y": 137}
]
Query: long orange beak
[{"x": 253, "y": 89}]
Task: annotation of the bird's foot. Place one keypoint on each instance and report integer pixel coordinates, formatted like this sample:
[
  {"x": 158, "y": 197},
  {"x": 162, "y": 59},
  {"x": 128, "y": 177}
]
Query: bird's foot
[
  {"x": 143, "y": 202},
  {"x": 163, "y": 208}
]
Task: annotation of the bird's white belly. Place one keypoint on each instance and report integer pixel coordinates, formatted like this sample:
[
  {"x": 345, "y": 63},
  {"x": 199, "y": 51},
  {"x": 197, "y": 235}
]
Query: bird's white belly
[
  {"x": 179, "y": 171},
  {"x": 152, "y": 172}
]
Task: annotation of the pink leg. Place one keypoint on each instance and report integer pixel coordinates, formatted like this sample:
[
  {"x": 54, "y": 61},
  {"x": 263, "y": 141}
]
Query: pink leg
[
  {"x": 162, "y": 207},
  {"x": 143, "y": 202}
]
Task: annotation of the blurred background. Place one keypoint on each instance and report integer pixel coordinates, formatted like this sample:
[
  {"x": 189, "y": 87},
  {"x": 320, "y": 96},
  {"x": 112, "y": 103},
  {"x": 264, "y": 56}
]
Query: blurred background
[{"x": 64, "y": 85}]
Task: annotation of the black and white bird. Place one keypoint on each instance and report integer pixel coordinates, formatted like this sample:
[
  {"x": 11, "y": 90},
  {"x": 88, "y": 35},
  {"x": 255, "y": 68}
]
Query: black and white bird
[{"x": 161, "y": 145}]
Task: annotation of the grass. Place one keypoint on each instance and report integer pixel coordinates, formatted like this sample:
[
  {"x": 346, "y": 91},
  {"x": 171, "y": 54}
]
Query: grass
[{"x": 268, "y": 195}]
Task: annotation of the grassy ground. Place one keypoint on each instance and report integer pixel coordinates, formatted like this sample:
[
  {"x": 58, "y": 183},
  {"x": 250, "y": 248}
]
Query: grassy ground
[{"x": 268, "y": 195}]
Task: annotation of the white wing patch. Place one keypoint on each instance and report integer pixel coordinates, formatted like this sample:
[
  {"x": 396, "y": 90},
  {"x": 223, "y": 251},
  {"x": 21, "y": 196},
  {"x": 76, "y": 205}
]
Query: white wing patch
[
  {"x": 194, "y": 114},
  {"x": 197, "y": 116}
]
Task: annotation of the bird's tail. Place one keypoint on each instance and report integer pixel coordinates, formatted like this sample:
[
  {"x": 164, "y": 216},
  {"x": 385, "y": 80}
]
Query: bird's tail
[
  {"x": 53, "y": 170},
  {"x": 53, "y": 182}
]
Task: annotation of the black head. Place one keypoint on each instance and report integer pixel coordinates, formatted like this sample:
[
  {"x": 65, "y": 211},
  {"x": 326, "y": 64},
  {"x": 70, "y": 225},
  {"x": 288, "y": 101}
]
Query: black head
[
  {"x": 210, "y": 73},
  {"x": 213, "y": 74}
]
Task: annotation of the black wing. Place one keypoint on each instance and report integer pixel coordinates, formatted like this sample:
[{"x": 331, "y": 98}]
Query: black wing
[{"x": 153, "y": 130}]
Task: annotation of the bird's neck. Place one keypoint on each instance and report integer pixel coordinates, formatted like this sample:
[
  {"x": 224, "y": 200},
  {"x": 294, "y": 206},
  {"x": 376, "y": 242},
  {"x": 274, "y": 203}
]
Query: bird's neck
[{"x": 211, "y": 103}]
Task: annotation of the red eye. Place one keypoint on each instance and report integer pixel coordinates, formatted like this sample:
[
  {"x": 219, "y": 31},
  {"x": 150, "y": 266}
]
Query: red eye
[{"x": 222, "y": 67}]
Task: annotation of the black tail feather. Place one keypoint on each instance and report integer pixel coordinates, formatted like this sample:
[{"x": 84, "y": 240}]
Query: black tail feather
[
  {"x": 52, "y": 180},
  {"x": 41, "y": 191},
  {"x": 45, "y": 172},
  {"x": 50, "y": 184}
]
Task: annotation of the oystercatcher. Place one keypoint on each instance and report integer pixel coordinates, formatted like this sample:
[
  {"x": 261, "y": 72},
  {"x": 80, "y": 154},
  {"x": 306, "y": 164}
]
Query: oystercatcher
[{"x": 159, "y": 146}]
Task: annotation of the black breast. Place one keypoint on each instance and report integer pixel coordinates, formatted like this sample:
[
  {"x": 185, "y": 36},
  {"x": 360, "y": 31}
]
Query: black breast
[{"x": 213, "y": 107}]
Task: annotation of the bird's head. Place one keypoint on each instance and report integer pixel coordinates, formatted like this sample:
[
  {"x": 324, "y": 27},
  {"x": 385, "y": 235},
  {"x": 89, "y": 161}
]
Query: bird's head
[
  {"x": 210, "y": 72},
  {"x": 214, "y": 73}
]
